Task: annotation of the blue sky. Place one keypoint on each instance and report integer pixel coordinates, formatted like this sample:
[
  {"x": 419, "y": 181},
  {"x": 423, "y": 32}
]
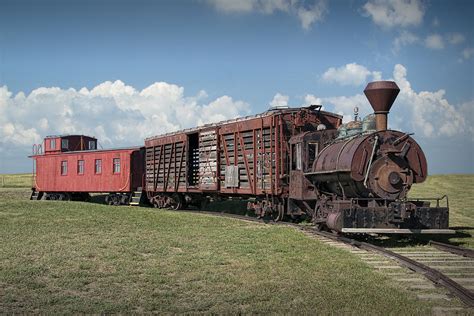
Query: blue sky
[{"x": 155, "y": 66}]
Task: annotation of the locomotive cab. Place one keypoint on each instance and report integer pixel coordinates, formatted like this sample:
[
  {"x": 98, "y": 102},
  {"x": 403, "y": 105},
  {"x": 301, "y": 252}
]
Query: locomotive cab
[{"x": 304, "y": 149}]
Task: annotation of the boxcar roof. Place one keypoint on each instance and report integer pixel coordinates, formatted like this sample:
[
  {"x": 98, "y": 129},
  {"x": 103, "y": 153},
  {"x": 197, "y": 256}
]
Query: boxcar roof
[{"x": 240, "y": 119}]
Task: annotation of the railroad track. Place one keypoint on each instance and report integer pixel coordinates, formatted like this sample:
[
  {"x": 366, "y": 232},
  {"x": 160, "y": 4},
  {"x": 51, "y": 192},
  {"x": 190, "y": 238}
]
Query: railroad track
[{"x": 444, "y": 265}]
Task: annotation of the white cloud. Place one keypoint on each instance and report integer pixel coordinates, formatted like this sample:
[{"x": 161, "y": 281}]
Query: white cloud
[
  {"x": 405, "y": 38},
  {"x": 310, "y": 99},
  {"x": 350, "y": 74},
  {"x": 456, "y": 38},
  {"x": 310, "y": 15},
  {"x": 434, "y": 41},
  {"x": 430, "y": 112},
  {"x": 467, "y": 53},
  {"x": 435, "y": 22},
  {"x": 280, "y": 100},
  {"x": 427, "y": 113},
  {"x": 114, "y": 112},
  {"x": 344, "y": 106},
  {"x": 307, "y": 14},
  {"x": 391, "y": 13}
]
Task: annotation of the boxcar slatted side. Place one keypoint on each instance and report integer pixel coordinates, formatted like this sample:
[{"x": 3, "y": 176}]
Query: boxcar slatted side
[
  {"x": 252, "y": 153},
  {"x": 208, "y": 160},
  {"x": 166, "y": 167}
]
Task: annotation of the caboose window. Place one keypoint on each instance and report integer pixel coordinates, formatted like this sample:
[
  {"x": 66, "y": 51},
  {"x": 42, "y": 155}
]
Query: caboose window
[
  {"x": 64, "y": 167},
  {"x": 91, "y": 145},
  {"x": 52, "y": 143},
  {"x": 80, "y": 167},
  {"x": 116, "y": 165},
  {"x": 98, "y": 166},
  {"x": 64, "y": 143}
]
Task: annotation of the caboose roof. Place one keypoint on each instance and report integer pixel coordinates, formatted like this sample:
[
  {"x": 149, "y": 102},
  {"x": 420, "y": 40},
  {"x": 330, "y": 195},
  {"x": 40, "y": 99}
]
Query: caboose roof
[
  {"x": 245, "y": 118},
  {"x": 89, "y": 151},
  {"x": 68, "y": 135}
]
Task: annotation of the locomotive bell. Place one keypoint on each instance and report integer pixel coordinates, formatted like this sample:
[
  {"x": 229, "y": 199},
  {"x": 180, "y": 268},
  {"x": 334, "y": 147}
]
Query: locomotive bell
[{"x": 381, "y": 95}]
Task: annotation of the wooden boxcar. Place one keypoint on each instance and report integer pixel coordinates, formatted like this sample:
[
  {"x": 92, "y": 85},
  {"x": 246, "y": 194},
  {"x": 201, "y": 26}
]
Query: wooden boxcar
[
  {"x": 71, "y": 167},
  {"x": 248, "y": 156}
]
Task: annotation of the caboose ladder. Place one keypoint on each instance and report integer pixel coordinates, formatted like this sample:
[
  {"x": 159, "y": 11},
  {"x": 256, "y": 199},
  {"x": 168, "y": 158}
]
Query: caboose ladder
[
  {"x": 136, "y": 197},
  {"x": 35, "y": 195}
]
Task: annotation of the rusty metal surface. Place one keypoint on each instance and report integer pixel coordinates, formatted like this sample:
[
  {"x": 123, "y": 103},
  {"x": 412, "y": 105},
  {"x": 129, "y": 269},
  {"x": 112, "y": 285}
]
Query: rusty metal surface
[
  {"x": 385, "y": 163},
  {"x": 256, "y": 147},
  {"x": 465, "y": 252},
  {"x": 381, "y": 95}
]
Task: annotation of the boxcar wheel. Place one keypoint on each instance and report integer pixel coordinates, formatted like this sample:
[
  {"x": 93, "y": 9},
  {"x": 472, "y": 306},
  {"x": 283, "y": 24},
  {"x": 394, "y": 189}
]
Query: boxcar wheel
[{"x": 175, "y": 202}]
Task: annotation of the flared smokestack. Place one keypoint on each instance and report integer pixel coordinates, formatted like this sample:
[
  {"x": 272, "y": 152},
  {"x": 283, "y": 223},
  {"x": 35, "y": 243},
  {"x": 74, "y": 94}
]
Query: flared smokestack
[{"x": 381, "y": 95}]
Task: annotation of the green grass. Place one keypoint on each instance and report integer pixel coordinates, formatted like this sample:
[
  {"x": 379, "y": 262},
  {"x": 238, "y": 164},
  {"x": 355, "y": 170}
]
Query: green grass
[
  {"x": 73, "y": 257},
  {"x": 460, "y": 191},
  {"x": 20, "y": 180}
]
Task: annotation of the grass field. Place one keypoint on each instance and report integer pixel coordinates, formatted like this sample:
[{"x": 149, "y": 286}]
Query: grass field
[
  {"x": 460, "y": 191},
  {"x": 74, "y": 257},
  {"x": 21, "y": 180}
]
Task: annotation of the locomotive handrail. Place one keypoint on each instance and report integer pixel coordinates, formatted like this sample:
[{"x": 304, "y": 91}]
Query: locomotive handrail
[
  {"x": 437, "y": 199},
  {"x": 376, "y": 141}
]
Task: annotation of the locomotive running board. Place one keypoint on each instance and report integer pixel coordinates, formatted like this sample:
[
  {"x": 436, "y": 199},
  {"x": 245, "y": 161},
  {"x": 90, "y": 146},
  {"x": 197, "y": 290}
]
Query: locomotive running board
[{"x": 397, "y": 231}]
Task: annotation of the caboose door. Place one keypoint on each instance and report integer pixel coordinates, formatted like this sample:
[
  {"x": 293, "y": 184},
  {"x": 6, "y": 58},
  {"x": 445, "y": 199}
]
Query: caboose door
[{"x": 208, "y": 160}]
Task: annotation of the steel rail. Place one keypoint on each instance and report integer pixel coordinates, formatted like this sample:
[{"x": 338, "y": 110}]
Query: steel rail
[
  {"x": 465, "y": 252},
  {"x": 433, "y": 275}
]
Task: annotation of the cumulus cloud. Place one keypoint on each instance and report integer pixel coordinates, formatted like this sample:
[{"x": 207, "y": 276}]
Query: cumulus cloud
[
  {"x": 434, "y": 41},
  {"x": 308, "y": 14},
  {"x": 456, "y": 38},
  {"x": 405, "y": 38},
  {"x": 310, "y": 99},
  {"x": 432, "y": 113},
  {"x": 467, "y": 53},
  {"x": 344, "y": 105},
  {"x": 280, "y": 101},
  {"x": 114, "y": 112},
  {"x": 350, "y": 74},
  {"x": 391, "y": 13},
  {"x": 427, "y": 113}
]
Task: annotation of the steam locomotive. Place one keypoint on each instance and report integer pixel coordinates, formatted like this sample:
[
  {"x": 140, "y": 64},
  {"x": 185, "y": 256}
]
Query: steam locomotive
[{"x": 287, "y": 162}]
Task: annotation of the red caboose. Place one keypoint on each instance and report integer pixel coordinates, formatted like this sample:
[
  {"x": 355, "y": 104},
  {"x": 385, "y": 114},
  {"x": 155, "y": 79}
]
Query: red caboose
[{"x": 71, "y": 167}]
